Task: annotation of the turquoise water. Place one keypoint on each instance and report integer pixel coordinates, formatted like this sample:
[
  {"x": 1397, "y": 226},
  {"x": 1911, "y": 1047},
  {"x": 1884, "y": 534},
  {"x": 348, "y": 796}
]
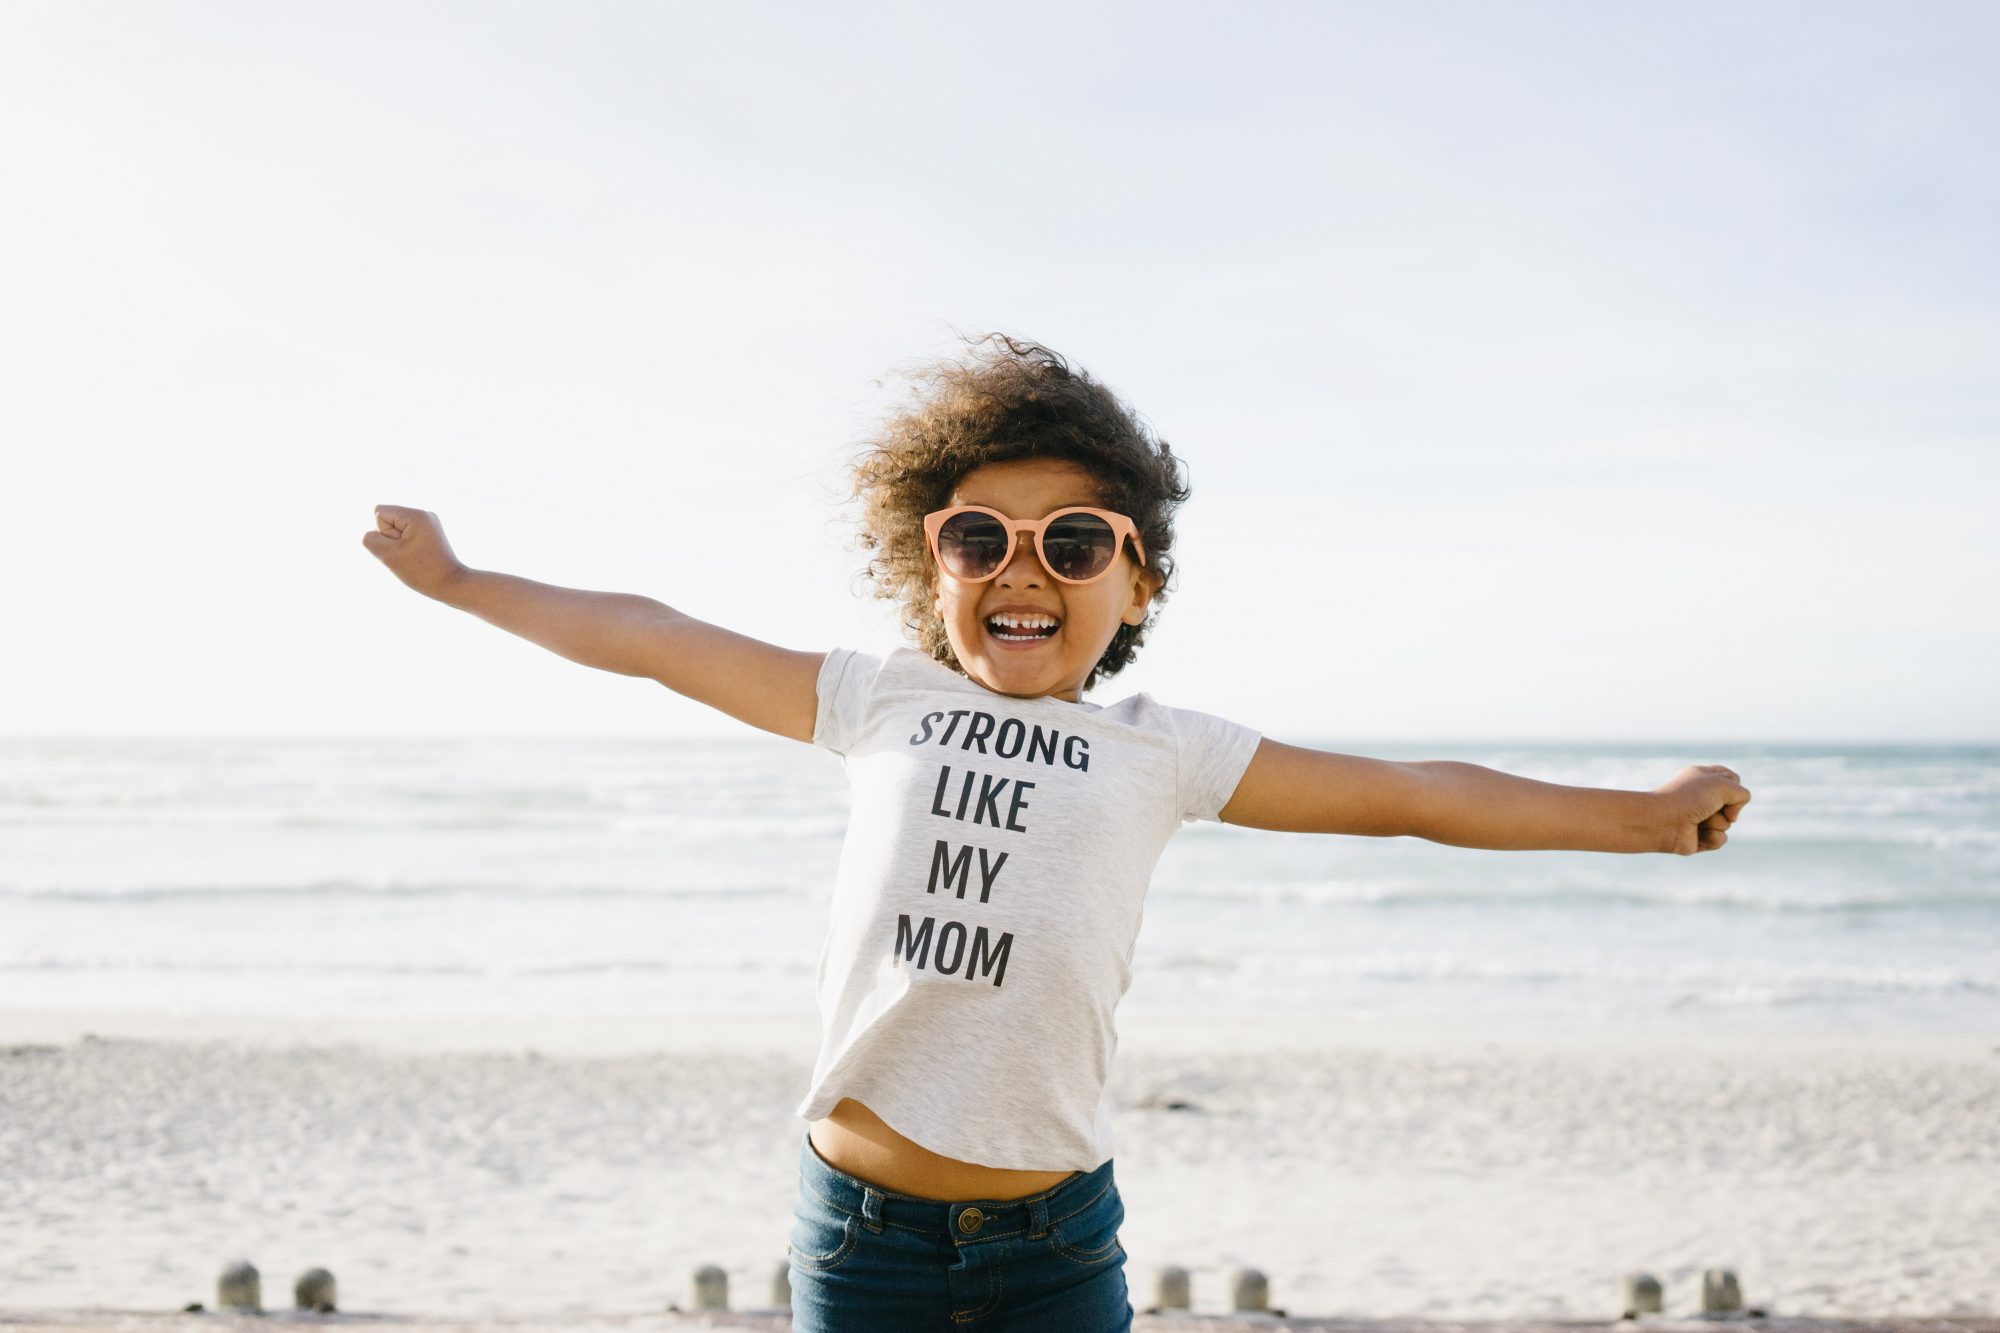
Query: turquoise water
[{"x": 359, "y": 877}]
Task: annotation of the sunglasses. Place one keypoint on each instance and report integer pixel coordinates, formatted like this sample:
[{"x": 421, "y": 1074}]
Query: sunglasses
[{"x": 1077, "y": 545}]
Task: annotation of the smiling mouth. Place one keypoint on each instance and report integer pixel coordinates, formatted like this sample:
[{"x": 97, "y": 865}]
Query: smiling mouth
[{"x": 1006, "y": 635}]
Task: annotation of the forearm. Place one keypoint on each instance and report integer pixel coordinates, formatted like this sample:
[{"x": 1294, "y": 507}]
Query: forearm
[
  {"x": 606, "y": 630},
  {"x": 1465, "y": 805}
]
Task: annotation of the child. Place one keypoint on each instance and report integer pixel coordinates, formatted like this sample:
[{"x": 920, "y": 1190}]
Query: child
[{"x": 957, "y": 1166}]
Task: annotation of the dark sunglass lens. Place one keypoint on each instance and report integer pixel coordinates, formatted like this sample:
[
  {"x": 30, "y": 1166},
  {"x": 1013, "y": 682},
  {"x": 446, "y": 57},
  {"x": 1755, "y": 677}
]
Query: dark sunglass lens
[
  {"x": 1079, "y": 546},
  {"x": 971, "y": 546}
]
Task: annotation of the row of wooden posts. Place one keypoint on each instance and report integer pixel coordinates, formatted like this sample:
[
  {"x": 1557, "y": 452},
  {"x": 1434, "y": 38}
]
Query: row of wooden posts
[{"x": 240, "y": 1288}]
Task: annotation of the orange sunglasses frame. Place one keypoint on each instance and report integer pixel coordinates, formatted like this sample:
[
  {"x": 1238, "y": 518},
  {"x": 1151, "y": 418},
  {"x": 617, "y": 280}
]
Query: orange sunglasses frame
[{"x": 1121, "y": 528}]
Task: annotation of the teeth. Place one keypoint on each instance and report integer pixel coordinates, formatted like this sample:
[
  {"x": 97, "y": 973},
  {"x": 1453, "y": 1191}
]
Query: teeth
[{"x": 1023, "y": 622}]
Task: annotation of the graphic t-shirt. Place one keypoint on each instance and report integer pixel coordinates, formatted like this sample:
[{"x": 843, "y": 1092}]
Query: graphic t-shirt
[{"x": 989, "y": 897}]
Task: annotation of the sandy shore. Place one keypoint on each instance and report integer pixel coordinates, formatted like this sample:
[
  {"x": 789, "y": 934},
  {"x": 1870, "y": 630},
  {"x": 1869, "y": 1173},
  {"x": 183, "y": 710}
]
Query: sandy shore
[{"x": 478, "y": 1168}]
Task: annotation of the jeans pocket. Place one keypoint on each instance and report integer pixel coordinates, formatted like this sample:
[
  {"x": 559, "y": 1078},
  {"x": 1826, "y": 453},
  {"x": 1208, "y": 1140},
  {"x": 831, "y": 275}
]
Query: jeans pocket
[
  {"x": 822, "y": 1238},
  {"x": 1090, "y": 1236}
]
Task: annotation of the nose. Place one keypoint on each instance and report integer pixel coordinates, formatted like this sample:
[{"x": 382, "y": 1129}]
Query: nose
[{"x": 1025, "y": 567}]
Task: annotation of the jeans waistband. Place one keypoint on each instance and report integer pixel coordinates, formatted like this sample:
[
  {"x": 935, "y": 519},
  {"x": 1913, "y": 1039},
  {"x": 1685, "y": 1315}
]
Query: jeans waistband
[{"x": 959, "y": 1219}]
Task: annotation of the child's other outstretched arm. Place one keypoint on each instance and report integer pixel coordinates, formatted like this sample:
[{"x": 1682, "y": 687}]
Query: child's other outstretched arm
[
  {"x": 1298, "y": 790},
  {"x": 769, "y": 687}
]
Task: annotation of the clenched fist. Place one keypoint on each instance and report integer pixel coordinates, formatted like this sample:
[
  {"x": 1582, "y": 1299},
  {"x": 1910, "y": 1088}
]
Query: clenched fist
[
  {"x": 411, "y": 543},
  {"x": 1703, "y": 801}
]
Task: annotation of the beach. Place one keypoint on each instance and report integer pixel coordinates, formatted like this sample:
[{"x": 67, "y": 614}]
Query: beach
[
  {"x": 514, "y": 1028},
  {"x": 474, "y": 1166}
]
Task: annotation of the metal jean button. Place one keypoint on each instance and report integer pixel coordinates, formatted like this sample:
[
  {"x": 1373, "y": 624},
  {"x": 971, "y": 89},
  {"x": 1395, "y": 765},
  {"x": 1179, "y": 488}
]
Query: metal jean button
[{"x": 970, "y": 1219}]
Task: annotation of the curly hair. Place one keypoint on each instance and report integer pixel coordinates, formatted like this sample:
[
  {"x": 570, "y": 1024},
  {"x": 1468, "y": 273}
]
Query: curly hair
[{"x": 1009, "y": 399}]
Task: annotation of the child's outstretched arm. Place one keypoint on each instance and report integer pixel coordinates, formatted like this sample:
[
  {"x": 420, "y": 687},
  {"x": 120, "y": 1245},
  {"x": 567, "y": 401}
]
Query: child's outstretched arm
[
  {"x": 1299, "y": 790},
  {"x": 767, "y": 686}
]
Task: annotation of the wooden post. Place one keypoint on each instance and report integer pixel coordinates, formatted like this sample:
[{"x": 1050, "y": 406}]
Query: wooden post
[
  {"x": 314, "y": 1291},
  {"x": 1170, "y": 1289},
  {"x": 1638, "y": 1293},
  {"x": 711, "y": 1288},
  {"x": 1248, "y": 1290},
  {"x": 239, "y": 1288},
  {"x": 1719, "y": 1292}
]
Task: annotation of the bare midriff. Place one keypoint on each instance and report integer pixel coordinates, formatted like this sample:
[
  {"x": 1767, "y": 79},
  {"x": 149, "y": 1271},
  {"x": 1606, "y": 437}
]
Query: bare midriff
[{"x": 857, "y": 1141}]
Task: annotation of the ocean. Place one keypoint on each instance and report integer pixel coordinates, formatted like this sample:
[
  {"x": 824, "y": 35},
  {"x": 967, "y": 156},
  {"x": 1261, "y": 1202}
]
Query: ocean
[{"x": 359, "y": 877}]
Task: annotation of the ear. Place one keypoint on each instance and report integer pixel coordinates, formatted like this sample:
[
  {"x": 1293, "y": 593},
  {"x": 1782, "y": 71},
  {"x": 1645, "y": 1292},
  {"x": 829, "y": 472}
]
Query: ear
[{"x": 1143, "y": 588}]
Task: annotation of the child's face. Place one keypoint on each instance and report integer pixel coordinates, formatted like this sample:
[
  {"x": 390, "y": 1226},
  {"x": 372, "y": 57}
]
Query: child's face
[{"x": 1087, "y": 614}]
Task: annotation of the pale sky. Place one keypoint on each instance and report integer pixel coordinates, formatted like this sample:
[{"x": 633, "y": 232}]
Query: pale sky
[{"x": 1543, "y": 371}]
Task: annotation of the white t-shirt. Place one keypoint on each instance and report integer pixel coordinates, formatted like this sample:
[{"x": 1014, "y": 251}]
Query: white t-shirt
[{"x": 989, "y": 896}]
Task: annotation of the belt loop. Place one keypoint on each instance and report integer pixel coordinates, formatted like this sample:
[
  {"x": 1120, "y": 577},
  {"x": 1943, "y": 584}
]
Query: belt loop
[
  {"x": 1038, "y": 1217},
  {"x": 871, "y": 1207}
]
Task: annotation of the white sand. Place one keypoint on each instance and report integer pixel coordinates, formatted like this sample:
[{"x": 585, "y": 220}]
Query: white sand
[{"x": 437, "y": 1166}]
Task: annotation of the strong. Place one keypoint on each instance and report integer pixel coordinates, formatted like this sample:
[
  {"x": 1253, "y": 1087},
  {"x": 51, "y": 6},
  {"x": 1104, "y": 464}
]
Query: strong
[{"x": 913, "y": 945}]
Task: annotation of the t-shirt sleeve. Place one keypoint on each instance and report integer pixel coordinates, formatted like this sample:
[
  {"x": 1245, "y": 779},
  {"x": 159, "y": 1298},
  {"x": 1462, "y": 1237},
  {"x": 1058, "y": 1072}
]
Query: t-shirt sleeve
[
  {"x": 846, "y": 680},
  {"x": 1214, "y": 752}
]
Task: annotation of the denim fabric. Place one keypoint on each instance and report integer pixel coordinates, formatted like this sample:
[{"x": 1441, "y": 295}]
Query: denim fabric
[{"x": 868, "y": 1260}]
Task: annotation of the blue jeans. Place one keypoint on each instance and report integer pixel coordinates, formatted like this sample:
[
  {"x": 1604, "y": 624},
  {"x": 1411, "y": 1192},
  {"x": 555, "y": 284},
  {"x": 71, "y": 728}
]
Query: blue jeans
[{"x": 869, "y": 1260}]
